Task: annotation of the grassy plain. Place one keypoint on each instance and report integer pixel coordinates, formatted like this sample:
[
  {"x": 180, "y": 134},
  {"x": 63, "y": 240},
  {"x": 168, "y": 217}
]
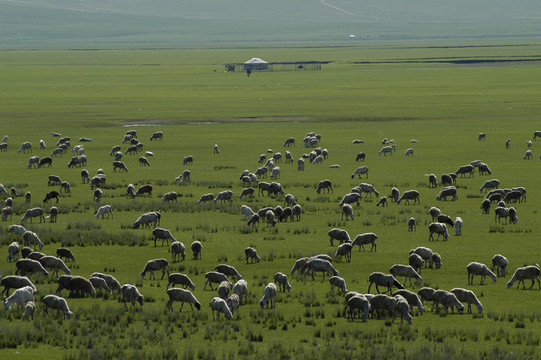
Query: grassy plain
[{"x": 395, "y": 91}]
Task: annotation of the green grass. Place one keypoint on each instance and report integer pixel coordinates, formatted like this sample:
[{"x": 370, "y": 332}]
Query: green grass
[{"x": 98, "y": 94}]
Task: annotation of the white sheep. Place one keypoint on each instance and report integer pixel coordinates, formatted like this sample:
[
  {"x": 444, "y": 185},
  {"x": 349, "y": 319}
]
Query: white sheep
[
  {"x": 178, "y": 250},
  {"x": 365, "y": 239},
  {"x": 184, "y": 296},
  {"x": 105, "y": 209},
  {"x": 409, "y": 152},
  {"x": 386, "y": 150},
  {"x": 146, "y": 219},
  {"x": 337, "y": 281},
  {"x": 15, "y": 282},
  {"x": 228, "y": 270},
  {"x": 475, "y": 268},
  {"x": 468, "y": 297},
  {"x": 156, "y": 264},
  {"x": 344, "y": 250},
  {"x": 438, "y": 228},
  {"x": 131, "y": 293},
  {"x": 20, "y": 297},
  {"x": 409, "y": 195},
  {"x": 402, "y": 307},
  {"x": 407, "y": 271},
  {"x": 412, "y": 224},
  {"x": 224, "y": 288},
  {"x": 338, "y": 234},
  {"x": 381, "y": 279},
  {"x": 29, "y": 310},
  {"x": 170, "y": 196},
  {"x": 523, "y": 273},
  {"x": 458, "y": 226},
  {"x": 360, "y": 171},
  {"x": 358, "y": 302},
  {"x": 500, "y": 263},
  {"x": 178, "y": 278},
  {"x": 13, "y": 251},
  {"x": 411, "y": 298},
  {"x": 111, "y": 281},
  {"x": 57, "y": 303},
  {"x": 315, "y": 264},
  {"x": 282, "y": 280},
  {"x": 233, "y": 302},
  {"x": 347, "y": 211},
  {"x": 17, "y": 229},
  {"x": 448, "y": 300},
  {"x": 241, "y": 289},
  {"x": 246, "y": 212},
  {"x": 382, "y": 303},
  {"x": 29, "y": 265},
  {"x": 32, "y": 213},
  {"x": 99, "y": 283},
  {"x": 220, "y": 305},
  {"x": 248, "y": 192},
  {"x": 51, "y": 262},
  {"x": 164, "y": 234},
  {"x": 269, "y": 296},
  {"x": 214, "y": 277},
  {"x": 197, "y": 249}
]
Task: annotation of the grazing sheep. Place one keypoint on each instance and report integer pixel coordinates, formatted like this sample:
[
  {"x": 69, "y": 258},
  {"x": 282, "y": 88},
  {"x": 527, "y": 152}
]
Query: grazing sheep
[
  {"x": 513, "y": 215},
  {"x": 145, "y": 189},
  {"x": 20, "y": 297},
  {"x": 490, "y": 184},
  {"x": 361, "y": 156},
  {"x": 233, "y": 302},
  {"x": 178, "y": 250},
  {"x": 360, "y": 303},
  {"x": 402, "y": 307},
  {"x": 411, "y": 298},
  {"x": 270, "y": 218},
  {"x": 158, "y": 135},
  {"x": 424, "y": 253},
  {"x": 187, "y": 160},
  {"x": 114, "y": 149},
  {"x": 247, "y": 192},
  {"x": 13, "y": 251},
  {"x": 51, "y": 262},
  {"x": 409, "y": 195},
  {"x": 105, "y": 209},
  {"x": 529, "y": 143},
  {"x": 214, "y": 277},
  {"x": 25, "y": 147},
  {"x": 15, "y": 282},
  {"x": 33, "y": 162},
  {"x": 386, "y": 150},
  {"x": 409, "y": 152},
  {"x": 381, "y": 279},
  {"x": 407, "y": 271},
  {"x": 254, "y": 219},
  {"x": 523, "y": 273},
  {"x": 143, "y": 161},
  {"x": 241, "y": 289},
  {"x": 156, "y": 264},
  {"x": 300, "y": 164},
  {"x": 382, "y": 201},
  {"x": 347, "y": 211},
  {"x": 26, "y": 251},
  {"x": 269, "y": 296},
  {"x": 432, "y": 181},
  {"x": 296, "y": 212},
  {"x": 299, "y": 263},
  {"x": 164, "y": 234},
  {"x": 97, "y": 195},
  {"x": 395, "y": 194},
  {"x": 438, "y": 228},
  {"x": 337, "y": 281},
  {"x": 528, "y": 155},
  {"x": 146, "y": 219},
  {"x": 99, "y": 283},
  {"x": 448, "y": 300},
  {"x": 338, "y": 234},
  {"x": 205, "y": 198},
  {"x": 447, "y": 191},
  {"x": 28, "y": 197},
  {"x": 53, "y": 214},
  {"x": 178, "y": 278},
  {"x": 501, "y": 212},
  {"x": 85, "y": 176},
  {"x": 57, "y": 303},
  {"x": 500, "y": 263},
  {"x": 416, "y": 262},
  {"x": 120, "y": 166},
  {"x": 29, "y": 310},
  {"x": 383, "y": 304},
  {"x": 228, "y": 270},
  {"x": 111, "y": 281},
  {"x": 220, "y": 306},
  {"x": 484, "y": 169},
  {"x": 475, "y": 268},
  {"x": 324, "y": 185},
  {"x": 482, "y": 136},
  {"x": 360, "y": 171},
  {"x": 412, "y": 224},
  {"x": 251, "y": 254},
  {"x": 466, "y": 169},
  {"x": 350, "y": 199},
  {"x": 468, "y": 297},
  {"x": 314, "y": 264},
  {"x": 513, "y": 196},
  {"x": 32, "y": 213},
  {"x": 47, "y": 160},
  {"x": 51, "y": 195},
  {"x": 224, "y": 288},
  {"x": 226, "y": 195},
  {"x": 368, "y": 189},
  {"x": 184, "y": 296},
  {"x": 436, "y": 259},
  {"x": 197, "y": 248},
  {"x": 282, "y": 280},
  {"x": 485, "y": 205},
  {"x": 31, "y": 238},
  {"x": 275, "y": 173},
  {"x": 77, "y": 285},
  {"x": 35, "y": 255},
  {"x": 344, "y": 250},
  {"x": 426, "y": 294},
  {"x": 365, "y": 239},
  {"x": 289, "y": 141},
  {"x": 131, "y": 293}
]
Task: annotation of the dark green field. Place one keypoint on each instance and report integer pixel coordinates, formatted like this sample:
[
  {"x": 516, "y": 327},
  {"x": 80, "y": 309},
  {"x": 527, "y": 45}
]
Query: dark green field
[{"x": 443, "y": 97}]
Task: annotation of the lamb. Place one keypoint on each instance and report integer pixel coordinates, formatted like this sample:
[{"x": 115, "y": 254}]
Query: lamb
[
  {"x": 314, "y": 264},
  {"x": 344, "y": 250},
  {"x": 411, "y": 298},
  {"x": 409, "y": 152},
  {"x": 409, "y": 195},
  {"x": 407, "y": 271},
  {"x": 338, "y": 282},
  {"x": 360, "y": 171},
  {"x": 32, "y": 213},
  {"x": 523, "y": 273},
  {"x": 438, "y": 228},
  {"x": 490, "y": 184},
  {"x": 500, "y": 263},
  {"x": 513, "y": 215},
  {"x": 382, "y": 201},
  {"x": 247, "y": 192},
  {"x": 228, "y": 270},
  {"x": 77, "y": 285},
  {"x": 466, "y": 169},
  {"x": 51, "y": 262},
  {"x": 402, "y": 307},
  {"x": 29, "y": 310},
  {"x": 178, "y": 278},
  {"x": 424, "y": 253},
  {"x": 468, "y": 297},
  {"x": 164, "y": 234},
  {"x": 226, "y": 195},
  {"x": 85, "y": 176},
  {"x": 224, "y": 288},
  {"x": 412, "y": 224},
  {"x": 296, "y": 211},
  {"x": 184, "y": 296},
  {"x": 338, "y": 234},
  {"x": 97, "y": 195},
  {"x": 156, "y": 264},
  {"x": 447, "y": 191},
  {"x": 381, "y": 279},
  {"x": 31, "y": 238},
  {"x": 269, "y": 296},
  {"x": 197, "y": 248},
  {"x": 57, "y": 303},
  {"x": 112, "y": 283},
  {"x": 99, "y": 283},
  {"x": 13, "y": 251},
  {"x": 254, "y": 219},
  {"x": 145, "y": 189},
  {"x": 178, "y": 250},
  {"x": 147, "y": 219},
  {"x": 475, "y": 268},
  {"x": 20, "y": 297},
  {"x": 214, "y": 277},
  {"x": 65, "y": 186},
  {"x": 251, "y": 254},
  {"x": 458, "y": 226},
  {"x": 132, "y": 294},
  {"x": 28, "y": 197},
  {"x": 528, "y": 155},
  {"x": 241, "y": 289},
  {"x": 347, "y": 211},
  {"x": 158, "y": 135},
  {"x": 300, "y": 164},
  {"x": 365, "y": 239},
  {"x": 416, "y": 262},
  {"x": 205, "y": 198},
  {"x": 170, "y": 196},
  {"x": 436, "y": 259},
  {"x": 432, "y": 181},
  {"x": 220, "y": 306},
  {"x": 395, "y": 194},
  {"x": 105, "y": 209},
  {"x": 485, "y": 205}
]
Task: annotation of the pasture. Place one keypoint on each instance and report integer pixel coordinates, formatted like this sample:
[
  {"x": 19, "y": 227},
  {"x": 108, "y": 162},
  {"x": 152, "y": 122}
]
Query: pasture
[{"x": 102, "y": 94}]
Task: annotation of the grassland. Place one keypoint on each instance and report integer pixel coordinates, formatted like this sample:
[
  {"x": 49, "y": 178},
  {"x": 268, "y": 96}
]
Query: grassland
[{"x": 395, "y": 91}]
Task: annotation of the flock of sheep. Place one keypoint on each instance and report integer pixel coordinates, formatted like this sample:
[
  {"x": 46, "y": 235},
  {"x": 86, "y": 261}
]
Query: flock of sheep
[{"x": 230, "y": 294}]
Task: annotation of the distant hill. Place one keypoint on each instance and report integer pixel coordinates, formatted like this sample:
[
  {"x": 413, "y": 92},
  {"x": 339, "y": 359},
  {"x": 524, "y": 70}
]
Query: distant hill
[{"x": 173, "y": 23}]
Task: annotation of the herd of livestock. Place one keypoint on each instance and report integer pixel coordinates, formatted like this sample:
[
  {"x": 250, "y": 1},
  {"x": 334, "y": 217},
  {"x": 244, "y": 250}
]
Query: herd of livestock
[{"x": 29, "y": 262}]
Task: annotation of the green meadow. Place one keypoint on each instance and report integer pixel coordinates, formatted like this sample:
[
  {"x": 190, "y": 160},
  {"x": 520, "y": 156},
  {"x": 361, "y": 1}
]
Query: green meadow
[{"x": 443, "y": 96}]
